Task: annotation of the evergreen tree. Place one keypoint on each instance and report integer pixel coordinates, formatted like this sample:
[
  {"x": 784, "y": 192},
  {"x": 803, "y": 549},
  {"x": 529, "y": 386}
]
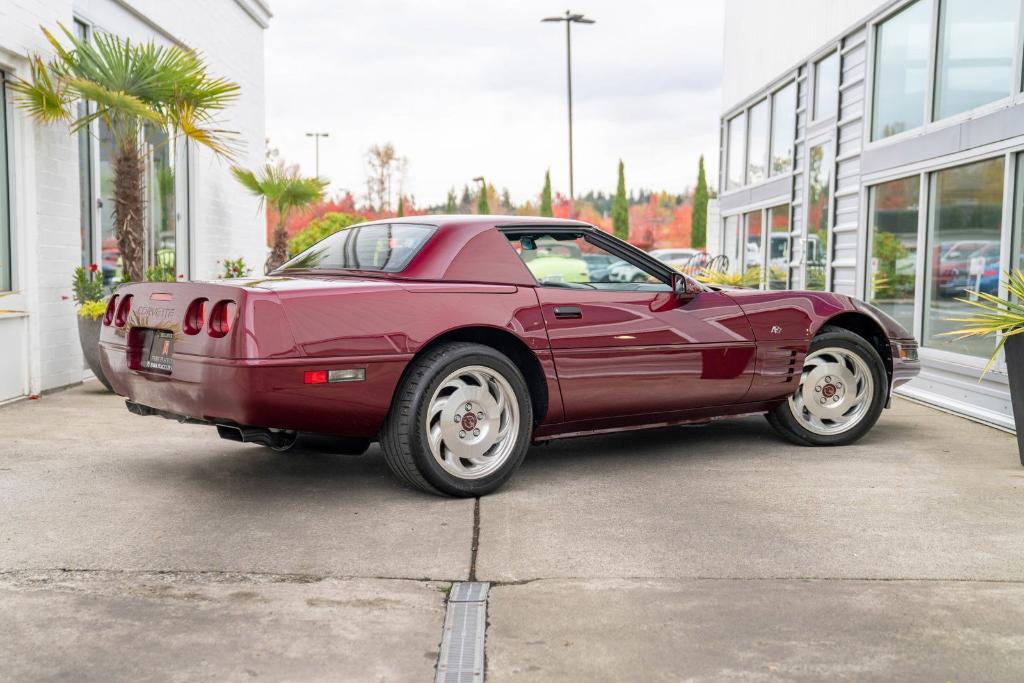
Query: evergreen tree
[
  {"x": 699, "y": 231},
  {"x": 545, "y": 196},
  {"x": 401, "y": 207},
  {"x": 483, "y": 207},
  {"x": 620, "y": 207},
  {"x": 449, "y": 206},
  {"x": 467, "y": 199}
]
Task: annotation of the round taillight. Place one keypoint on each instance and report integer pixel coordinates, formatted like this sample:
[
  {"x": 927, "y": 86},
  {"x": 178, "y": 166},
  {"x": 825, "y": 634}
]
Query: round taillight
[
  {"x": 123, "y": 309},
  {"x": 221, "y": 318},
  {"x": 195, "y": 316},
  {"x": 108, "y": 315}
]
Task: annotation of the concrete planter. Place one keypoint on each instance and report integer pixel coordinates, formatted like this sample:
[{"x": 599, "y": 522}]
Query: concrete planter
[
  {"x": 89, "y": 336},
  {"x": 1014, "y": 349}
]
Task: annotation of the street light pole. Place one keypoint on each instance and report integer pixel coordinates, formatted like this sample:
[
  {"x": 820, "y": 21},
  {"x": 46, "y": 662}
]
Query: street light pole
[
  {"x": 569, "y": 20},
  {"x": 316, "y": 137}
]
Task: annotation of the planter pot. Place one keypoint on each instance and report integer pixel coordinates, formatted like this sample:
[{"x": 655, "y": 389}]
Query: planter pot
[
  {"x": 1014, "y": 349},
  {"x": 89, "y": 336}
]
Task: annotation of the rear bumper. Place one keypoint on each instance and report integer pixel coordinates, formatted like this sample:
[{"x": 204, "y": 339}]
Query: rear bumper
[{"x": 263, "y": 392}]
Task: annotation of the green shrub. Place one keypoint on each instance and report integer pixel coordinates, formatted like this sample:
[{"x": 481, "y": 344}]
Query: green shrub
[
  {"x": 86, "y": 285},
  {"x": 320, "y": 228},
  {"x": 234, "y": 268}
]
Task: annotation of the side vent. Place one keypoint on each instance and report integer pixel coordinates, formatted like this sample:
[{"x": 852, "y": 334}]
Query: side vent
[{"x": 791, "y": 372}]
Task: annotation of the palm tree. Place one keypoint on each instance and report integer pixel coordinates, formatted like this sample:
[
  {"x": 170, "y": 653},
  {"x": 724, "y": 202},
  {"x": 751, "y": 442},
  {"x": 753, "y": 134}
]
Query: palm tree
[
  {"x": 282, "y": 188},
  {"x": 132, "y": 85}
]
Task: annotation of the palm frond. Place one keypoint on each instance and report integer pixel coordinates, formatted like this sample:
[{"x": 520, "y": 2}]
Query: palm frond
[
  {"x": 45, "y": 96},
  {"x": 995, "y": 316}
]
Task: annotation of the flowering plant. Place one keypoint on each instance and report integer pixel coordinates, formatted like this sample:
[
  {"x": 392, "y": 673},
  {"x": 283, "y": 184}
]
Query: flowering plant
[
  {"x": 86, "y": 285},
  {"x": 235, "y": 268}
]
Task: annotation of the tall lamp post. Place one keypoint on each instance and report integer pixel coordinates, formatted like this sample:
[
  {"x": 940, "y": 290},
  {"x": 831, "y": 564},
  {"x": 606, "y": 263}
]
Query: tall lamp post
[
  {"x": 316, "y": 137},
  {"x": 569, "y": 18}
]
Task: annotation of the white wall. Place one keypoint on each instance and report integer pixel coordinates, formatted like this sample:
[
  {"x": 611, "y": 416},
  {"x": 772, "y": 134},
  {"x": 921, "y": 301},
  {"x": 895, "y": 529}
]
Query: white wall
[
  {"x": 40, "y": 345},
  {"x": 764, "y": 38}
]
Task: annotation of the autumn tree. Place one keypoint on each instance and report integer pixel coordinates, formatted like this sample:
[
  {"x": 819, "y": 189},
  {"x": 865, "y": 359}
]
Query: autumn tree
[
  {"x": 384, "y": 169},
  {"x": 699, "y": 233},
  {"x": 620, "y": 207},
  {"x": 545, "y": 195}
]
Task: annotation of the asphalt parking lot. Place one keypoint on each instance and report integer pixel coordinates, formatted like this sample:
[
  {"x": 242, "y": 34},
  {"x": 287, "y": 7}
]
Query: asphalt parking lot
[{"x": 139, "y": 549}]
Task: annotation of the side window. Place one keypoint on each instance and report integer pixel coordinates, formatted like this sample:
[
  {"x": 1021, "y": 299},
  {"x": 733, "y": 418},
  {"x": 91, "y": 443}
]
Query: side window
[{"x": 571, "y": 261}]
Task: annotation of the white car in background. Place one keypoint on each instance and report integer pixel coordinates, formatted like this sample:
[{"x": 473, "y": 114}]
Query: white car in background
[{"x": 623, "y": 272}]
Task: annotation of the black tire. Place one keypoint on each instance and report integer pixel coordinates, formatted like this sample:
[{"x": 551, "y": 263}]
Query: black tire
[
  {"x": 404, "y": 435},
  {"x": 785, "y": 422}
]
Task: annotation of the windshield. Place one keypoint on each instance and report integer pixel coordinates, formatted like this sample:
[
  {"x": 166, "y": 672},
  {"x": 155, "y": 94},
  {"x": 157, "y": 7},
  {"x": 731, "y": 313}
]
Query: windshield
[{"x": 384, "y": 247}]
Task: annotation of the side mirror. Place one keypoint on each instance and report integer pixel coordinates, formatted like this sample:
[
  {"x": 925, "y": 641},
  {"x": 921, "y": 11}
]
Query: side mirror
[{"x": 685, "y": 288}]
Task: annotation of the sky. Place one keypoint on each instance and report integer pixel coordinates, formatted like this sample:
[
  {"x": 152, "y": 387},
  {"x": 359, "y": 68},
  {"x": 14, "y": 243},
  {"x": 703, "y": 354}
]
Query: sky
[{"x": 464, "y": 89}]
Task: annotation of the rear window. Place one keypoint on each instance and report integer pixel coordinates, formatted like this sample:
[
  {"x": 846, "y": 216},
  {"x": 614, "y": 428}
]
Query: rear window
[{"x": 384, "y": 247}]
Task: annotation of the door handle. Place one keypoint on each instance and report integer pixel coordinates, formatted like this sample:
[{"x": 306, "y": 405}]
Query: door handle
[{"x": 568, "y": 312}]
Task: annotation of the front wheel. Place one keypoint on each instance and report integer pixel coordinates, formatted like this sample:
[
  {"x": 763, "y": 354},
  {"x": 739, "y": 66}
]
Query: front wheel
[
  {"x": 460, "y": 423},
  {"x": 841, "y": 394}
]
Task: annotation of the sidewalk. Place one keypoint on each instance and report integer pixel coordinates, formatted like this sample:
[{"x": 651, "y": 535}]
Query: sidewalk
[{"x": 133, "y": 547}]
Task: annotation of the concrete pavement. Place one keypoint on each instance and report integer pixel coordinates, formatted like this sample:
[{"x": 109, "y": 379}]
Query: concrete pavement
[{"x": 140, "y": 549}]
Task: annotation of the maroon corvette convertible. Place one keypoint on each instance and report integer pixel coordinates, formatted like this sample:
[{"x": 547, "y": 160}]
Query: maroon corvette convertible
[{"x": 456, "y": 341}]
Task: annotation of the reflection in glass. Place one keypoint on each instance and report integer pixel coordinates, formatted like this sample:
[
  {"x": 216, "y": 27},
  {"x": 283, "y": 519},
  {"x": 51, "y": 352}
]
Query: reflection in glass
[
  {"x": 757, "y": 149},
  {"x": 1018, "y": 216},
  {"x": 783, "y": 130},
  {"x": 732, "y": 242},
  {"x": 85, "y": 202},
  {"x": 901, "y": 70},
  {"x": 819, "y": 209},
  {"x": 778, "y": 247},
  {"x": 5, "y": 215},
  {"x": 964, "y": 225},
  {"x": 752, "y": 231},
  {"x": 161, "y": 209},
  {"x": 734, "y": 163},
  {"x": 892, "y": 270},
  {"x": 826, "y": 87},
  {"x": 380, "y": 247},
  {"x": 977, "y": 44},
  {"x": 111, "y": 254}
]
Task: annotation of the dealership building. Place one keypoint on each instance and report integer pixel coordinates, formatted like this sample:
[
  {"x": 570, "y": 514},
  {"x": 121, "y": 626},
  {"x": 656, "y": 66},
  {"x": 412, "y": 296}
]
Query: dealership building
[
  {"x": 55, "y": 188},
  {"x": 877, "y": 149}
]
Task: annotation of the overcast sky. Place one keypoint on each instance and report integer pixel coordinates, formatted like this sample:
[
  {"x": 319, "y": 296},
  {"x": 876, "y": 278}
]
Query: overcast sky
[{"x": 465, "y": 88}]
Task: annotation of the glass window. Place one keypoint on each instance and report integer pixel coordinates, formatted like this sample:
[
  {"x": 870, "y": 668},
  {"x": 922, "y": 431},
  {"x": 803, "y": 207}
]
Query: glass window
[
  {"x": 752, "y": 234},
  {"x": 964, "y": 226},
  {"x": 901, "y": 70},
  {"x": 113, "y": 272},
  {"x": 385, "y": 247},
  {"x": 819, "y": 209},
  {"x": 573, "y": 261},
  {"x": 977, "y": 45},
  {"x": 826, "y": 87},
  {"x": 5, "y": 213},
  {"x": 757, "y": 142},
  {"x": 736, "y": 133},
  {"x": 1018, "y": 216},
  {"x": 161, "y": 207},
  {"x": 892, "y": 268},
  {"x": 731, "y": 247},
  {"x": 85, "y": 202},
  {"x": 778, "y": 247},
  {"x": 783, "y": 130}
]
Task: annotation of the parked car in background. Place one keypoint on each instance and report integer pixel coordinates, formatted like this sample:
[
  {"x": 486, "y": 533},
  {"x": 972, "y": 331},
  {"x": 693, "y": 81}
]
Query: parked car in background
[
  {"x": 449, "y": 340},
  {"x": 675, "y": 257},
  {"x": 599, "y": 266}
]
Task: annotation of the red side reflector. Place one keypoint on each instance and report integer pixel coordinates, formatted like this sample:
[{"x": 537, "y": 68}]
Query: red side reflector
[{"x": 315, "y": 377}]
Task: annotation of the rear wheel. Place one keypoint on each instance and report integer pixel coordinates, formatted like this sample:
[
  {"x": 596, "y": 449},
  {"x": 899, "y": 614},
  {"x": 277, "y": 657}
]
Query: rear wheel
[
  {"x": 460, "y": 423},
  {"x": 841, "y": 394}
]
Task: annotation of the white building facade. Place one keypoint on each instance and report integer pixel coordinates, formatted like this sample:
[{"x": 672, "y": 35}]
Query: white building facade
[
  {"x": 55, "y": 188},
  {"x": 877, "y": 149}
]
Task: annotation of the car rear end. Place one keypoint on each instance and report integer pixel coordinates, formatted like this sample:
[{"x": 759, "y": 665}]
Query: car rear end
[{"x": 223, "y": 353}]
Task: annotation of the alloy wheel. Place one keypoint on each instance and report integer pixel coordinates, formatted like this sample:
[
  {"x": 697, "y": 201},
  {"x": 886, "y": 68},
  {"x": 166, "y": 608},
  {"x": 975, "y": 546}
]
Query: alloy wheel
[
  {"x": 472, "y": 422},
  {"x": 835, "y": 393}
]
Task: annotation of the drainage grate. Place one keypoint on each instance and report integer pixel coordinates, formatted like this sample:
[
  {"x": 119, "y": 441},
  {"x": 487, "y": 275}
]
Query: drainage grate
[{"x": 462, "y": 646}]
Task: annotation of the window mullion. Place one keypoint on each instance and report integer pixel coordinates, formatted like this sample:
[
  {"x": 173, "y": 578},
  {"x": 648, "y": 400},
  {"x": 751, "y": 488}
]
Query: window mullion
[{"x": 933, "y": 60}]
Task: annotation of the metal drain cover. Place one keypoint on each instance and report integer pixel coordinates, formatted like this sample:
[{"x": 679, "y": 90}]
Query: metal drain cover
[{"x": 462, "y": 645}]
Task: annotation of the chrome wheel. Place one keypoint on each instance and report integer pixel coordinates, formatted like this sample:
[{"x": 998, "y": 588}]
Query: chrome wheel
[
  {"x": 472, "y": 422},
  {"x": 835, "y": 393}
]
